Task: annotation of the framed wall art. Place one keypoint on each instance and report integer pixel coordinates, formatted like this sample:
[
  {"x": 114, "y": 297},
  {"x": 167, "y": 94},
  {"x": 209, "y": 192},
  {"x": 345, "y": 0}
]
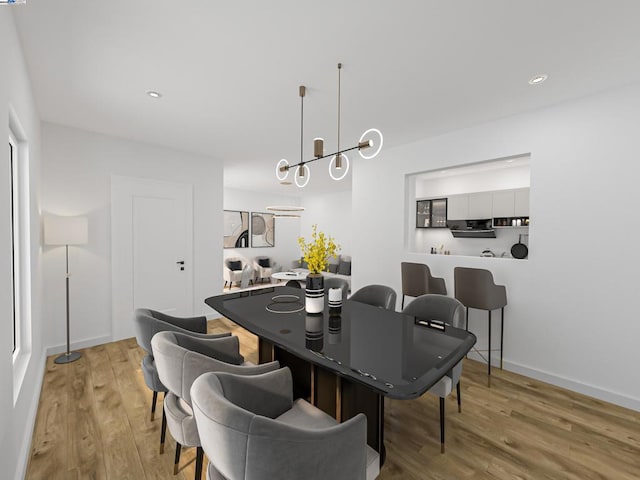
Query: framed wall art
[
  {"x": 236, "y": 229},
  {"x": 262, "y": 229}
]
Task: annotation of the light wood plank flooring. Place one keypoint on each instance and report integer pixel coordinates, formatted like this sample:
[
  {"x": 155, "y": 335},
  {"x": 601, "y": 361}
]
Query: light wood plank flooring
[{"x": 93, "y": 423}]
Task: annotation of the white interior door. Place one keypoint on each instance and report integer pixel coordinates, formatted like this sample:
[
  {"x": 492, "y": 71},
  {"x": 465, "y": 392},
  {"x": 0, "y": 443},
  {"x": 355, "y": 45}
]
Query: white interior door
[{"x": 152, "y": 249}]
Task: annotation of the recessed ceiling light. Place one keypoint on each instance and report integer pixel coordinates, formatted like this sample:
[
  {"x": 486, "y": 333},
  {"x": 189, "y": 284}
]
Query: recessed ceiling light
[
  {"x": 154, "y": 94},
  {"x": 509, "y": 161},
  {"x": 538, "y": 79}
]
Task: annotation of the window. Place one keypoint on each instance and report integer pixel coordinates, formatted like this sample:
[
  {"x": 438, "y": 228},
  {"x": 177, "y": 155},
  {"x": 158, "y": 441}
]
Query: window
[
  {"x": 20, "y": 263},
  {"x": 15, "y": 241}
]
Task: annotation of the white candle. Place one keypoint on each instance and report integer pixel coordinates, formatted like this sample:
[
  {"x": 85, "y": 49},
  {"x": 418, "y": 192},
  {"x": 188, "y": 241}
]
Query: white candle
[{"x": 335, "y": 295}]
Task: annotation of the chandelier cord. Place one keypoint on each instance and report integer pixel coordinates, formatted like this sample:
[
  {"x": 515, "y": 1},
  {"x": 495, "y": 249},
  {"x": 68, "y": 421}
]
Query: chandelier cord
[
  {"x": 339, "y": 69},
  {"x": 302, "y": 92}
]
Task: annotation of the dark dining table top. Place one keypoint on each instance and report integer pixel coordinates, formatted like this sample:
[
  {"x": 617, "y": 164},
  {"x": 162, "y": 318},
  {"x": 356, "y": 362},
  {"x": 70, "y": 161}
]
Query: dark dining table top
[{"x": 397, "y": 355}]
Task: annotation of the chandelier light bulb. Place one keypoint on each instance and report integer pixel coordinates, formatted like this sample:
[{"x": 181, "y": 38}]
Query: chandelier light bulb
[
  {"x": 282, "y": 170},
  {"x": 318, "y": 147},
  {"x": 303, "y": 174},
  {"x": 371, "y": 143},
  {"x": 341, "y": 171}
]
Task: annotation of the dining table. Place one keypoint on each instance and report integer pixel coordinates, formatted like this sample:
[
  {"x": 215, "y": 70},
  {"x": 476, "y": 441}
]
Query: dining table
[{"x": 346, "y": 360}]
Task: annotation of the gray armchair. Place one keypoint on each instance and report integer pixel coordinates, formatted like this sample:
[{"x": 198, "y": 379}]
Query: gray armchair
[
  {"x": 147, "y": 323},
  {"x": 451, "y": 312},
  {"x": 237, "y": 270},
  {"x": 266, "y": 434},
  {"x": 264, "y": 267},
  {"x": 376, "y": 295},
  {"x": 180, "y": 360}
]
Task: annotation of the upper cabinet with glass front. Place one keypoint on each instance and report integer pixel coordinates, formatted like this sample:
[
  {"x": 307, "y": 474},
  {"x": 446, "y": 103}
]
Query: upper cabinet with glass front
[{"x": 431, "y": 213}]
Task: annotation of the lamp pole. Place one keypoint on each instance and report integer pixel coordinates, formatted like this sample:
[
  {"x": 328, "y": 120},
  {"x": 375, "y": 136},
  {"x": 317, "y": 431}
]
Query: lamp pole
[{"x": 68, "y": 356}]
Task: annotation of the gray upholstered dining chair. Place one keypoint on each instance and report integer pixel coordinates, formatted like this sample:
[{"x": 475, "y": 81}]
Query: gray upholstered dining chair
[
  {"x": 180, "y": 360},
  {"x": 267, "y": 434},
  {"x": 147, "y": 323},
  {"x": 334, "y": 282},
  {"x": 451, "y": 312},
  {"x": 417, "y": 280},
  {"x": 376, "y": 295},
  {"x": 475, "y": 288}
]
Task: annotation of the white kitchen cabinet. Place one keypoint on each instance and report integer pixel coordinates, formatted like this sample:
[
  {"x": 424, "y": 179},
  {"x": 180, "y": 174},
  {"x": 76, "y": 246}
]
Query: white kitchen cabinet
[
  {"x": 458, "y": 207},
  {"x": 480, "y": 205},
  {"x": 503, "y": 203},
  {"x": 521, "y": 203}
]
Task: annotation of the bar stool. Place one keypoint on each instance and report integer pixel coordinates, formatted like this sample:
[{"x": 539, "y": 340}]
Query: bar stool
[
  {"x": 475, "y": 288},
  {"x": 417, "y": 280}
]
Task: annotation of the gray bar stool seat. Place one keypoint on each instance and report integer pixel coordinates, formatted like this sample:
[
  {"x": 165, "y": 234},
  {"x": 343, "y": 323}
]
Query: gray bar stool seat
[{"x": 475, "y": 288}]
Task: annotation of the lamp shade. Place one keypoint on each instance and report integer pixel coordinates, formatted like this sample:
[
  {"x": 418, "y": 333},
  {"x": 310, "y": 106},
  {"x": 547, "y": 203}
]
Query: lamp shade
[{"x": 66, "y": 230}]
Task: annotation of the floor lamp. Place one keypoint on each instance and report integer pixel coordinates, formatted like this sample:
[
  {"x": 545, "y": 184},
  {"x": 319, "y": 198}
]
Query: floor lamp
[{"x": 66, "y": 231}]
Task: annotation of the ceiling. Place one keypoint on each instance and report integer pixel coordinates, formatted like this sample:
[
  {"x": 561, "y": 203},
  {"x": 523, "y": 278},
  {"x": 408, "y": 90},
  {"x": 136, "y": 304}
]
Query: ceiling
[{"x": 229, "y": 71}]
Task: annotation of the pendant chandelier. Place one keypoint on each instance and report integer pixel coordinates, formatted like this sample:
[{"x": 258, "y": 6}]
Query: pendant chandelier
[{"x": 339, "y": 163}]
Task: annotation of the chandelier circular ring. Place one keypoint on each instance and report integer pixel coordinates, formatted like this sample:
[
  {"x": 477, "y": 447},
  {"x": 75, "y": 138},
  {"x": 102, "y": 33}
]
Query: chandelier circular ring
[
  {"x": 345, "y": 168},
  {"x": 282, "y": 176},
  {"x": 297, "y": 176},
  {"x": 377, "y": 150}
]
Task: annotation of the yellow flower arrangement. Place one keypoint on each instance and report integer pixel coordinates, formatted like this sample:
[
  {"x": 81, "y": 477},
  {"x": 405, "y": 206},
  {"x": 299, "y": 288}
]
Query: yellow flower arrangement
[{"x": 318, "y": 251}]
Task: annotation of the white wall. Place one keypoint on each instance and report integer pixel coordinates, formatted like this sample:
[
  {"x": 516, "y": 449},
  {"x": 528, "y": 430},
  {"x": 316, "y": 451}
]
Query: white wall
[
  {"x": 496, "y": 179},
  {"x": 287, "y": 230},
  {"x": 16, "y": 421},
  {"x": 571, "y": 318},
  {"x": 332, "y": 213},
  {"x": 76, "y": 180}
]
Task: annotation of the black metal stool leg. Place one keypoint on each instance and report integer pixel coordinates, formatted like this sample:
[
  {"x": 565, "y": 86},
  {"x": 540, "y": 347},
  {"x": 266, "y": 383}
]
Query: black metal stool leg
[
  {"x": 501, "y": 334},
  {"x": 458, "y": 394},
  {"x": 199, "y": 460},
  {"x": 489, "y": 353},
  {"x": 441, "y": 425},
  {"x": 402, "y": 306}
]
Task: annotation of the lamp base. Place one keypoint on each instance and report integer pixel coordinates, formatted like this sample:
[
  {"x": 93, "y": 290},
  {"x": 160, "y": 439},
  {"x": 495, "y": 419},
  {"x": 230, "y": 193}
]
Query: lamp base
[{"x": 68, "y": 357}]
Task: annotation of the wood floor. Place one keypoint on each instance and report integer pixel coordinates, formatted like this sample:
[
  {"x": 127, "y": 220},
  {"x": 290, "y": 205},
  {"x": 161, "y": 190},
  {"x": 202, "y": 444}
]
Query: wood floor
[{"x": 93, "y": 423}]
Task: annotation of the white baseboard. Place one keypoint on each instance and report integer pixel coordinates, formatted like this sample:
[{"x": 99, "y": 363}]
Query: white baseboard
[
  {"x": 86, "y": 343},
  {"x": 25, "y": 447},
  {"x": 568, "y": 383}
]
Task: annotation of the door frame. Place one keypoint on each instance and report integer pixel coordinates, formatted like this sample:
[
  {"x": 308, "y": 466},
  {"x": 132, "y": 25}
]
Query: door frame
[{"x": 123, "y": 190}]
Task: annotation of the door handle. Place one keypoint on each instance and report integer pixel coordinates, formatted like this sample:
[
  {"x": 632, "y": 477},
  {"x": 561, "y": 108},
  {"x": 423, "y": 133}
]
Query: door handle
[{"x": 181, "y": 263}]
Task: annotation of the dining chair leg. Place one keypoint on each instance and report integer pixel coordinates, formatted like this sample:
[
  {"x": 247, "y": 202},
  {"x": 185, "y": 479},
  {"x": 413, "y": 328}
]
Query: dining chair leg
[
  {"x": 459, "y": 397},
  {"x": 163, "y": 431},
  {"x": 199, "y": 460},
  {"x": 501, "y": 334},
  {"x": 489, "y": 354},
  {"x": 441, "y": 425},
  {"x": 177, "y": 459},
  {"x": 153, "y": 404}
]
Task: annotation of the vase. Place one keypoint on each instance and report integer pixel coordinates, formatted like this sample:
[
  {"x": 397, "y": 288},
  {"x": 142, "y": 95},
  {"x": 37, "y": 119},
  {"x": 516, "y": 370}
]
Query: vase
[{"x": 314, "y": 293}]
